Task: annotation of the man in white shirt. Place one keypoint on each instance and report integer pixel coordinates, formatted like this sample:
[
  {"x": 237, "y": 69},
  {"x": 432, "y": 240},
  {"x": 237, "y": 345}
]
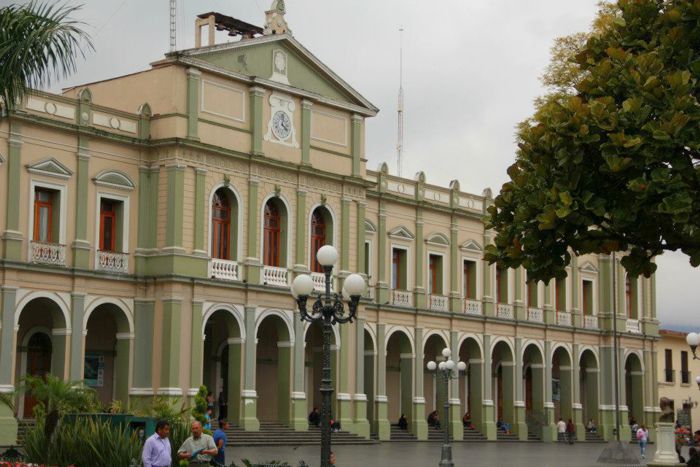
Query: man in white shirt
[
  {"x": 156, "y": 450},
  {"x": 561, "y": 430}
]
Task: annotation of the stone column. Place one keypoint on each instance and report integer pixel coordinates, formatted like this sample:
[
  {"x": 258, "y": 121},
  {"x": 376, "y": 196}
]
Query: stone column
[
  {"x": 306, "y": 107},
  {"x": 125, "y": 343},
  {"x": 193, "y": 83},
  {"x": 356, "y": 145},
  {"x": 576, "y": 403},
  {"x": 550, "y": 316},
  {"x": 455, "y": 293},
  {"x": 576, "y": 311},
  {"x": 519, "y": 305},
  {"x": 249, "y": 396},
  {"x": 142, "y": 387},
  {"x": 382, "y": 409},
  {"x": 81, "y": 246},
  {"x": 360, "y": 422},
  {"x": 300, "y": 266},
  {"x": 456, "y": 425},
  {"x": 382, "y": 284},
  {"x": 518, "y": 421},
  {"x": 12, "y": 235},
  {"x": 419, "y": 288},
  {"x": 175, "y": 204},
  {"x": 607, "y": 396},
  {"x": 343, "y": 395},
  {"x": 79, "y": 331},
  {"x": 170, "y": 384},
  {"x": 200, "y": 208},
  {"x": 406, "y": 368},
  {"x": 233, "y": 397},
  {"x": 196, "y": 355},
  {"x": 549, "y": 432},
  {"x": 345, "y": 241},
  {"x": 488, "y": 424},
  {"x": 509, "y": 393},
  {"x": 476, "y": 394},
  {"x": 256, "y": 120},
  {"x": 419, "y": 425},
  {"x": 284, "y": 373},
  {"x": 8, "y": 422},
  {"x": 253, "y": 262},
  {"x": 489, "y": 297},
  {"x": 300, "y": 408}
]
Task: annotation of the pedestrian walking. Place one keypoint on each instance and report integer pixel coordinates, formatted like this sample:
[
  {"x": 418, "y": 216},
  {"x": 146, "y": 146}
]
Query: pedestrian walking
[
  {"x": 643, "y": 439},
  {"x": 220, "y": 439},
  {"x": 199, "y": 448},
  {"x": 156, "y": 450},
  {"x": 570, "y": 431},
  {"x": 561, "y": 430}
]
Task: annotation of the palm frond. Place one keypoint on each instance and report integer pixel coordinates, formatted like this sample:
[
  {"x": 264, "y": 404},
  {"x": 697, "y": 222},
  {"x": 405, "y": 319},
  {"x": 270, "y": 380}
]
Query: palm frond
[{"x": 38, "y": 42}]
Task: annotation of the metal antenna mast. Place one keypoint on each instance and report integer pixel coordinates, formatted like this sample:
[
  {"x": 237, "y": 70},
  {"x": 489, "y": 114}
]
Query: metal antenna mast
[
  {"x": 173, "y": 22},
  {"x": 399, "y": 144}
]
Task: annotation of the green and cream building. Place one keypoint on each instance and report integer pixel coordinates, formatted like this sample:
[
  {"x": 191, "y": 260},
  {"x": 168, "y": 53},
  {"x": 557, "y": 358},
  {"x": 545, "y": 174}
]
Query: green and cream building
[{"x": 151, "y": 225}]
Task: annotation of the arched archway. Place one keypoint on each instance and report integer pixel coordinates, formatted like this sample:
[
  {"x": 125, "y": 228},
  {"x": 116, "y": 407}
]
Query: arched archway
[
  {"x": 224, "y": 224},
  {"x": 562, "y": 385},
  {"x": 369, "y": 382},
  {"x": 589, "y": 388},
  {"x": 399, "y": 377},
  {"x": 533, "y": 392},
  {"x": 433, "y": 386},
  {"x": 634, "y": 388},
  {"x": 273, "y": 370},
  {"x": 321, "y": 233},
  {"x": 222, "y": 357},
  {"x": 107, "y": 360},
  {"x": 41, "y": 344},
  {"x": 503, "y": 387},
  {"x": 471, "y": 384},
  {"x": 275, "y": 226}
]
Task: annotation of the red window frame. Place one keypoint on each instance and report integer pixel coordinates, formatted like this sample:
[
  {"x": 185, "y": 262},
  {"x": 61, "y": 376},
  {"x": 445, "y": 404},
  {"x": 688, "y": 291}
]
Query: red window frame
[
  {"x": 433, "y": 265},
  {"x": 220, "y": 226},
  {"x": 586, "y": 304},
  {"x": 38, "y": 205},
  {"x": 557, "y": 295},
  {"x": 396, "y": 269},
  {"x": 318, "y": 238},
  {"x": 467, "y": 280},
  {"x": 272, "y": 234},
  {"x": 108, "y": 212}
]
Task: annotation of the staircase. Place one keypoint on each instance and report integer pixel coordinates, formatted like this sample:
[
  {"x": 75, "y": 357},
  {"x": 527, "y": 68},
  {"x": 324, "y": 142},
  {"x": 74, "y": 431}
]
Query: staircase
[
  {"x": 435, "y": 434},
  {"x": 472, "y": 435},
  {"x": 594, "y": 438},
  {"x": 277, "y": 434},
  {"x": 534, "y": 436},
  {"x": 502, "y": 436},
  {"x": 398, "y": 435}
]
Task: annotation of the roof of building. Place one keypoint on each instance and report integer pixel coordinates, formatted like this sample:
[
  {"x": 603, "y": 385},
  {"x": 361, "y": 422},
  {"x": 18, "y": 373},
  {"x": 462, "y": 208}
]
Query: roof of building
[{"x": 672, "y": 333}]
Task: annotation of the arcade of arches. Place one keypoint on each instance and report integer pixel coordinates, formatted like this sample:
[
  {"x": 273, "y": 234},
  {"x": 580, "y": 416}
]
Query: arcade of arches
[{"x": 267, "y": 363}]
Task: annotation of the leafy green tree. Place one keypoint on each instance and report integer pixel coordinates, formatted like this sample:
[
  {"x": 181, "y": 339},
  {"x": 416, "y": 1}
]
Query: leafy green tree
[
  {"x": 610, "y": 160},
  {"x": 200, "y": 405},
  {"x": 38, "y": 41}
]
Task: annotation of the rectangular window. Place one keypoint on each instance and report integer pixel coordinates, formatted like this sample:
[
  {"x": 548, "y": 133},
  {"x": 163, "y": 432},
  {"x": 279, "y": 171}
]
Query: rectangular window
[
  {"x": 435, "y": 275},
  {"x": 45, "y": 215},
  {"x": 398, "y": 269},
  {"x": 588, "y": 298},
  {"x": 532, "y": 298},
  {"x": 501, "y": 285},
  {"x": 108, "y": 224},
  {"x": 560, "y": 294},
  {"x": 685, "y": 374},
  {"x": 668, "y": 357},
  {"x": 470, "y": 280}
]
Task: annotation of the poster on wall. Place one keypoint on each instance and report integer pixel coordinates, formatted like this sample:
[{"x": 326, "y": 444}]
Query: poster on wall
[{"x": 94, "y": 369}]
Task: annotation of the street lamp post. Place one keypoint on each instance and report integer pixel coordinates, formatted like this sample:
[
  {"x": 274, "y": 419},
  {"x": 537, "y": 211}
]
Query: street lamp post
[
  {"x": 445, "y": 370},
  {"x": 328, "y": 309}
]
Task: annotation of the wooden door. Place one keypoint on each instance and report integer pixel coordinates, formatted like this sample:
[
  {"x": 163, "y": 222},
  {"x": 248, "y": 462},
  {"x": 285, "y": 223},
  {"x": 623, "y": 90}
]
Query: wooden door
[{"x": 38, "y": 364}]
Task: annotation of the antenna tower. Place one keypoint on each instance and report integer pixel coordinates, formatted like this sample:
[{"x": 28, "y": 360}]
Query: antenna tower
[
  {"x": 399, "y": 144},
  {"x": 173, "y": 28}
]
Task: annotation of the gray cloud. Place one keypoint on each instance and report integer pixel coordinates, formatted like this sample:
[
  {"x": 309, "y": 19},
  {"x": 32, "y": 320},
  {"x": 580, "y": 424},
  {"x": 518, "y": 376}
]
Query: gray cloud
[{"x": 471, "y": 74}]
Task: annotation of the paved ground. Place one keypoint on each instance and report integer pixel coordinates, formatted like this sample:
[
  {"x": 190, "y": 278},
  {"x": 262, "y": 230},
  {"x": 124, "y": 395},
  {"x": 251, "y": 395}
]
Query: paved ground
[{"x": 428, "y": 454}]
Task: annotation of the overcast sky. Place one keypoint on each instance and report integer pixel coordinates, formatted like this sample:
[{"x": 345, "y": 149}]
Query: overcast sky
[{"x": 471, "y": 72}]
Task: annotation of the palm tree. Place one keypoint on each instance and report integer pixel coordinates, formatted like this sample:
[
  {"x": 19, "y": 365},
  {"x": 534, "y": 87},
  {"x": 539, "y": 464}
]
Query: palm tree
[{"x": 38, "y": 42}]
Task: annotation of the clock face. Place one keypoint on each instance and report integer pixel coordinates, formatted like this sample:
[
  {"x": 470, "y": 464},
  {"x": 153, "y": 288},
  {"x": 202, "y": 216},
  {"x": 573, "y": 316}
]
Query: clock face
[{"x": 281, "y": 125}]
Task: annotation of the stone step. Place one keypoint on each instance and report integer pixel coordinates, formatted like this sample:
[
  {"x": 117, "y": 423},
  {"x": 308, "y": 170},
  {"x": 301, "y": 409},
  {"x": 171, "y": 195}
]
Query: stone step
[{"x": 277, "y": 434}]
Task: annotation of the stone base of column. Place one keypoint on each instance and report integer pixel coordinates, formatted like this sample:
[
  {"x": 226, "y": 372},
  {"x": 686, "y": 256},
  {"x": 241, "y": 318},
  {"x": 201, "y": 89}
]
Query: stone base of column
[
  {"x": 300, "y": 412},
  {"x": 382, "y": 292},
  {"x": 650, "y": 420},
  {"x": 249, "y": 411},
  {"x": 520, "y": 311},
  {"x": 419, "y": 294},
  {"x": 12, "y": 242},
  {"x": 383, "y": 427},
  {"x": 8, "y": 427},
  {"x": 519, "y": 424},
  {"x": 489, "y": 307},
  {"x": 549, "y": 430},
  {"x": 344, "y": 412},
  {"x": 252, "y": 272},
  {"x": 419, "y": 424},
  {"x": 360, "y": 423},
  {"x": 488, "y": 424},
  {"x": 456, "y": 425},
  {"x": 665, "y": 446},
  {"x": 579, "y": 422}
]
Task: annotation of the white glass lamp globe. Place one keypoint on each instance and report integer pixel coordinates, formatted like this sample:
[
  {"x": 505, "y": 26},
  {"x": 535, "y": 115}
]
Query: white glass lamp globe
[
  {"x": 441, "y": 366},
  {"x": 327, "y": 255},
  {"x": 446, "y": 352},
  {"x": 697, "y": 379},
  {"x": 432, "y": 365},
  {"x": 355, "y": 285},
  {"x": 302, "y": 286},
  {"x": 345, "y": 294},
  {"x": 693, "y": 339},
  {"x": 461, "y": 366},
  {"x": 449, "y": 365}
]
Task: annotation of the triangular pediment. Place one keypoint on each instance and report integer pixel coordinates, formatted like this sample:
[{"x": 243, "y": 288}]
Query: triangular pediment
[
  {"x": 369, "y": 227},
  {"x": 296, "y": 67},
  {"x": 438, "y": 239},
  {"x": 471, "y": 245},
  {"x": 588, "y": 267},
  {"x": 50, "y": 167},
  {"x": 401, "y": 233},
  {"x": 114, "y": 179}
]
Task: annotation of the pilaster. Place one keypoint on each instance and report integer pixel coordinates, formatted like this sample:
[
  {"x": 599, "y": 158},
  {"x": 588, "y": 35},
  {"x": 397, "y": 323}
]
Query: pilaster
[
  {"x": 256, "y": 119},
  {"x": 8, "y": 422},
  {"x": 175, "y": 203},
  {"x": 382, "y": 405},
  {"x": 519, "y": 423},
  {"x": 548, "y": 308},
  {"x": 360, "y": 422},
  {"x": 361, "y": 214},
  {"x": 144, "y": 311},
  {"x": 77, "y": 347},
  {"x": 200, "y": 208},
  {"x": 549, "y": 431},
  {"x": 170, "y": 383},
  {"x": 344, "y": 371},
  {"x": 253, "y": 262},
  {"x": 300, "y": 407},
  {"x": 300, "y": 238},
  {"x": 456, "y": 425},
  {"x": 356, "y": 144},
  {"x": 489, "y": 308},
  {"x": 306, "y": 107},
  {"x": 12, "y": 236},
  {"x": 519, "y": 305},
  {"x": 455, "y": 294},
  {"x": 122, "y": 363},
  {"x": 197, "y": 345},
  {"x": 382, "y": 284},
  {"x": 419, "y": 290},
  {"x": 345, "y": 237},
  {"x": 419, "y": 425},
  {"x": 81, "y": 246},
  {"x": 249, "y": 396},
  {"x": 488, "y": 421},
  {"x": 193, "y": 85}
]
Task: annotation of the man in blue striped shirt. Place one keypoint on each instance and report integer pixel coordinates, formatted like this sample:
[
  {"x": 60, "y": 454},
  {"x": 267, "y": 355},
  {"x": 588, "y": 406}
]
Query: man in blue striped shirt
[{"x": 156, "y": 450}]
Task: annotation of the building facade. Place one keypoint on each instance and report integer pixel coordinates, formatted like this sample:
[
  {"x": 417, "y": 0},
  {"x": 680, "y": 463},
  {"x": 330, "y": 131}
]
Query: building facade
[
  {"x": 677, "y": 372},
  {"x": 152, "y": 224}
]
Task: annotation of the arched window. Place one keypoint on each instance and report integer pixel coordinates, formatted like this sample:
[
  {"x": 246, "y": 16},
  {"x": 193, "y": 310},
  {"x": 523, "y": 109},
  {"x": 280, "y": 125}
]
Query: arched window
[
  {"x": 272, "y": 234},
  {"x": 220, "y": 226},
  {"x": 318, "y": 238}
]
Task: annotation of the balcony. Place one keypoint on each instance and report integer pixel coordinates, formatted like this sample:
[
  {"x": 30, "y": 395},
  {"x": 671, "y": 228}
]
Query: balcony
[
  {"x": 504, "y": 311},
  {"x": 402, "y": 298},
  {"x": 48, "y": 253},
  {"x": 563, "y": 318},
  {"x": 319, "y": 280},
  {"x": 111, "y": 261},
  {"x": 633, "y": 326},
  {"x": 590, "y": 322},
  {"x": 536, "y": 315},
  {"x": 224, "y": 269},
  {"x": 276, "y": 277},
  {"x": 439, "y": 303},
  {"x": 472, "y": 307}
]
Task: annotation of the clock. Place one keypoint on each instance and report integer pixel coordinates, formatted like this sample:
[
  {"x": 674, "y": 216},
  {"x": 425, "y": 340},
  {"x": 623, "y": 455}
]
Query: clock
[{"x": 281, "y": 125}]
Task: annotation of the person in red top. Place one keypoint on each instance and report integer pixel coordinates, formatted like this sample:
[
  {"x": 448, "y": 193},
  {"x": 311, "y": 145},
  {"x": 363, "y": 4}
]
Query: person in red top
[{"x": 570, "y": 431}]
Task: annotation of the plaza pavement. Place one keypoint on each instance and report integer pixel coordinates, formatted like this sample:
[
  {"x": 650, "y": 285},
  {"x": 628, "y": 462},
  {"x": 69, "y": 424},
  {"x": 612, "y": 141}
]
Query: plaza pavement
[{"x": 424, "y": 454}]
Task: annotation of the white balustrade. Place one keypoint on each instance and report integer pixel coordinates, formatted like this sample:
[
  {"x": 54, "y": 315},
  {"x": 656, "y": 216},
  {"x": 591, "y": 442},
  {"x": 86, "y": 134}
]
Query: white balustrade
[
  {"x": 48, "y": 253},
  {"x": 633, "y": 326},
  {"x": 563, "y": 318},
  {"x": 504, "y": 310},
  {"x": 112, "y": 261},
  {"x": 319, "y": 280},
  {"x": 439, "y": 303},
  {"x": 224, "y": 269},
  {"x": 402, "y": 298},
  {"x": 590, "y": 322},
  {"x": 276, "y": 277},
  {"x": 535, "y": 315},
  {"x": 472, "y": 307}
]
